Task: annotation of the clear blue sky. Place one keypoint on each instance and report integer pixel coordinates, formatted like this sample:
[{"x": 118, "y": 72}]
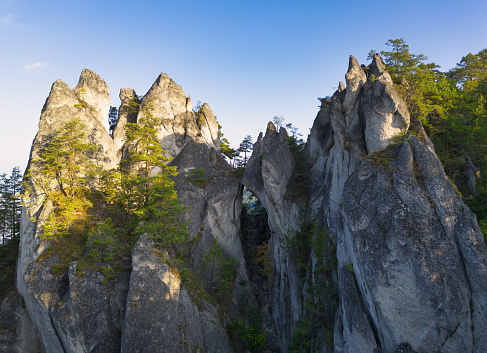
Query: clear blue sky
[{"x": 250, "y": 60}]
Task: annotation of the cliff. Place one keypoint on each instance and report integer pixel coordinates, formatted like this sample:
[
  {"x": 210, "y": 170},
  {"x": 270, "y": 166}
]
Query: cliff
[{"x": 364, "y": 245}]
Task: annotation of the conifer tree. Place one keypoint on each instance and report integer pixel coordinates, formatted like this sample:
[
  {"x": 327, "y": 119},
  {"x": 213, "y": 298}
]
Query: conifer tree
[
  {"x": 245, "y": 147},
  {"x": 399, "y": 60},
  {"x": 148, "y": 195},
  {"x": 61, "y": 174}
]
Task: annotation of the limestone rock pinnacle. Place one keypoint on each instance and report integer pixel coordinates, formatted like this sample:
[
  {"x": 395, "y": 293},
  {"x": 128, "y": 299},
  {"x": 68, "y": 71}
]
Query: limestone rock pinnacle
[{"x": 93, "y": 90}]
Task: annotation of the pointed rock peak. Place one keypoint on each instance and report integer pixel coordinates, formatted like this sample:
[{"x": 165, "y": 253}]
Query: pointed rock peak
[
  {"x": 283, "y": 134},
  {"x": 341, "y": 87},
  {"x": 189, "y": 104},
  {"x": 259, "y": 138},
  {"x": 93, "y": 90},
  {"x": 353, "y": 63},
  {"x": 377, "y": 66},
  {"x": 160, "y": 79},
  {"x": 355, "y": 78},
  {"x": 126, "y": 93},
  {"x": 165, "y": 89},
  {"x": 59, "y": 84},
  {"x": 206, "y": 108},
  {"x": 163, "y": 76},
  {"x": 354, "y": 70},
  {"x": 59, "y": 87},
  {"x": 271, "y": 127},
  {"x": 60, "y": 94},
  {"x": 378, "y": 62},
  {"x": 91, "y": 79}
]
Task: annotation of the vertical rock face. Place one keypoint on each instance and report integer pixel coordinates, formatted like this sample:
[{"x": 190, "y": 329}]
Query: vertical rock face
[
  {"x": 267, "y": 175},
  {"x": 398, "y": 223},
  {"x": 62, "y": 106},
  {"x": 126, "y": 114},
  {"x": 162, "y": 317},
  {"x": 94, "y": 91},
  {"x": 385, "y": 114},
  {"x": 405, "y": 256},
  {"x": 79, "y": 312},
  {"x": 411, "y": 258}
]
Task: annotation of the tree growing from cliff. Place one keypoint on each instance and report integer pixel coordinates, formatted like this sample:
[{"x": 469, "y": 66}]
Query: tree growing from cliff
[
  {"x": 245, "y": 147},
  {"x": 61, "y": 174},
  {"x": 226, "y": 150},
  {"x": 148, "y": 195}
]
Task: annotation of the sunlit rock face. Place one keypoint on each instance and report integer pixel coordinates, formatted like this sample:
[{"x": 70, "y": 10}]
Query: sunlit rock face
[
  {"x": 411, "y": 258},
  {"x": 78, "y": 311},
  {"x": 405, "y": 266},
  {"x": 95, "y": 92},
  {"x": 398, "y": 223}
]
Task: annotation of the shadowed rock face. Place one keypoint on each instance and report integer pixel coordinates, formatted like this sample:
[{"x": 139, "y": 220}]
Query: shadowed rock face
[
  {"x": 410, "y": 267},
  {"x": 398, "y": 221},
  {"x": 418, "y": 256},
  {"x": 80, "y": 313},
  {"x": 162, "y": 317}
]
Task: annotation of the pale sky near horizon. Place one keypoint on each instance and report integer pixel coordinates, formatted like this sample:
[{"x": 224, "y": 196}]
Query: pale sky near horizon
[{"x": 249, "y": 60}]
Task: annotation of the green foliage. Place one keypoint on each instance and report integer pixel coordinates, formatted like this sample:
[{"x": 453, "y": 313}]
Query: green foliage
[
  {"x": 245, "y": 147},
  {"x": 251, "y": 203},
  {"x": 8, "y": 260},
  {"x": 278, "y": 121},
  {"x": 298, "y": 184},
  {"x": 222, "y": 270},
  {"x": 200, "y": 114},
  {"x": 307, "y": 242},
  {"x": 470, "y": 71},
  {"x": 197, "y": 176},
  {"x": 238, "y": 172},
  {"x": 103, "y": 242},
  {"x": 64, "y": 171},
  {"x": 246, "y": 338},
  {"x": 297, "y": 242},
  {"x": 244, "y": 331},
  {"x": 264, "y": 260},
  {"x": 301, "y": 341},
  {"x": 193, "y": 282},
  {"x": 98, "y": 214},
  {"x": 452, "y": 108},
  {"x": 147, "y": 195},
  {"x": 400, "y": 62},
  {"x": 10, "y": 209},
  {"x": 229, "y": 153}
]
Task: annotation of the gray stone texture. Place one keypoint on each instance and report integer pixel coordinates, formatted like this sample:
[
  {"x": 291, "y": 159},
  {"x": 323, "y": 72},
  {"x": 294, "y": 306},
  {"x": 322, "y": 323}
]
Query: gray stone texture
[
  {"x": 412, "y": 263},
  {"x": 160, "y": 316}
]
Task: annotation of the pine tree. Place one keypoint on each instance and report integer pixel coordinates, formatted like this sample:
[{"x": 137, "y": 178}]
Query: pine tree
[
  {"x": 399, "y": 61},
  {"x": 148, "y": 195},
  {"x": 245, "y": 147},
  {"x": 68, "y": 162},
  {"x": 470, "y": 71}
]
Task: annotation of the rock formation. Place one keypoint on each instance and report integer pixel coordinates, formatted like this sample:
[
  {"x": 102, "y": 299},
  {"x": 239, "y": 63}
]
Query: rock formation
[
  {"x": 405, "y": 241},
  {"x": 79, "y": 312},
  {"x": 370, "y": 247}
]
